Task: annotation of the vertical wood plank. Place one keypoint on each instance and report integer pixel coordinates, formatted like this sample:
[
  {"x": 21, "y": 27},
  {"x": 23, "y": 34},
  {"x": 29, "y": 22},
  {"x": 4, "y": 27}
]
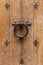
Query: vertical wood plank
[
  {"x": 27, "y": 15},
  {"x": 4, "y": 33},
  {"x": 15, "y": 15},
  {"x": 15, "y": 44},
  {"x": 38, "y": 32}
]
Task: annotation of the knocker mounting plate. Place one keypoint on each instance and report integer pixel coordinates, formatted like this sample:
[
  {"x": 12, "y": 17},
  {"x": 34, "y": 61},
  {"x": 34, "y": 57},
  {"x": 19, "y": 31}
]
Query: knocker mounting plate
[{"x": 21, "y": 26}]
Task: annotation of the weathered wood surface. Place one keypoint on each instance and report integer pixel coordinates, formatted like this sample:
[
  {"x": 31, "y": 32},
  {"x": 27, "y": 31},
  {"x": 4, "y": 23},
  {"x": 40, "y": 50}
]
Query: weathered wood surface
[{"x": 21, "y": 10}]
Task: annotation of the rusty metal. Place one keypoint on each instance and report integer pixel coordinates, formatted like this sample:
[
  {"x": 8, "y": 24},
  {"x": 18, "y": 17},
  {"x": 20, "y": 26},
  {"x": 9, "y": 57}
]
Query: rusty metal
[
  {"x": 21, "y": 25},
  {"x": 7, "y": 42},
  {"x": 21, "y": 61},
  {"x": 36, "y": 5},
  {"x": 7, "y": 5},
  {"x": 35, "y": 42}
]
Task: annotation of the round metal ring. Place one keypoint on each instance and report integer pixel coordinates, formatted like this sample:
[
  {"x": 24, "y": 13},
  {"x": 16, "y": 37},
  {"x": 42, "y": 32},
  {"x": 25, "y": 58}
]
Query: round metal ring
[{"x": 20, "y": 36}]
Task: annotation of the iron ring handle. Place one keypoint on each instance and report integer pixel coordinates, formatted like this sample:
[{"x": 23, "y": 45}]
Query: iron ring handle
[{"x": 21, "y": 36}]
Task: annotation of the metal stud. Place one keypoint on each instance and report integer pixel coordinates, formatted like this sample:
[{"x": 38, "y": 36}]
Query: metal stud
[
  {"x": 21, "y": 61},
  {"x": 7, "y": 42},
  {"x": 7, "y": 5},
  {"x": 36, "y": 43},
  {"x": 36, "y": 5}
]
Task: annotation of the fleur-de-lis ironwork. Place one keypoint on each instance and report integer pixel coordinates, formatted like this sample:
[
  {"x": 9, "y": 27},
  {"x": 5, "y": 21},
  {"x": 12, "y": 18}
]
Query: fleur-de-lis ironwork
[
  {"x": 7, "y": 42},
  {"x": 7, "y": 5},
  {"x": 35, "y": 42}
]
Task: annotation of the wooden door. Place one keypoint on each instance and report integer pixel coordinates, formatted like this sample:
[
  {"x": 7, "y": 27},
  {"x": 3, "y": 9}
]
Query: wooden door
[{"x": 10, "y": 45}]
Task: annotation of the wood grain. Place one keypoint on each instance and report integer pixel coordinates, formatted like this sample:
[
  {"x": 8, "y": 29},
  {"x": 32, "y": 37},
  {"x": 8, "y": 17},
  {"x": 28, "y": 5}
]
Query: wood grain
[
  {"x": 15, "y": 44},
  {"x": 21, "y": 10},
  {"x": 4, "y": 34}
]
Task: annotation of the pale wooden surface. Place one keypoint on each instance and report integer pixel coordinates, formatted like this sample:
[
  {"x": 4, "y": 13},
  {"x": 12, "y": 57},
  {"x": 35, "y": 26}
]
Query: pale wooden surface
[
  {"x": 32, "y": 55},
  {"x": 38, "y": 32},
  {"x": 4, "y": 34}
]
